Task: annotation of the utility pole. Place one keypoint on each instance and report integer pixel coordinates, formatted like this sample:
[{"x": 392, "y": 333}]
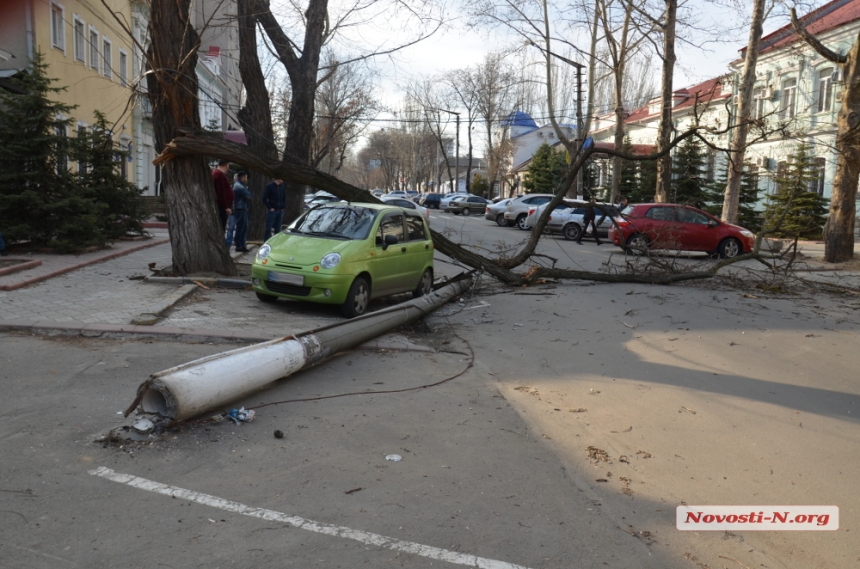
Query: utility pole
[
  {"x": 457, "y": 146},
  {"x": 580, "y": 134}
]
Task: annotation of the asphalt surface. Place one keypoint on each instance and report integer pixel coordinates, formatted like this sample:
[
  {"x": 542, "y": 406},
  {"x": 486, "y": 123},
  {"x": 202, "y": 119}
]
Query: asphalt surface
[{"x": 705, "y": 393}]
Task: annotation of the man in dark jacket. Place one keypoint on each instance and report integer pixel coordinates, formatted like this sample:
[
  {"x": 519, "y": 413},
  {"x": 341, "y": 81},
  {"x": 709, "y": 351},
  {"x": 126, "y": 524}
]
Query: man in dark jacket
[
  {"x": 223, "y": 191},
  {"x": 588, "y": 218},
  {"x": 275, "y": 198},
  {"x": 241, "y": 203}
]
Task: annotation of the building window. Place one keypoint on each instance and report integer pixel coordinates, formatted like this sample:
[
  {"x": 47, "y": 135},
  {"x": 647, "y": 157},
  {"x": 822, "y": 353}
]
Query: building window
[
  {"x": 107, "y": 70},
  {"x": 94, "y": 49},
  {"x": 817, "y": 185},
  {"x": 58, "y": 33},
  {"x": 757, "y": 111},
  {"x": 789, "y": 96},
  {"x": 825, "y": 90},
  {"x": 82, "y": 132},
  {"x": 123, "y": 66},
  {"x": 80, "y": 41},
  {"x": 62, "y": 149}
]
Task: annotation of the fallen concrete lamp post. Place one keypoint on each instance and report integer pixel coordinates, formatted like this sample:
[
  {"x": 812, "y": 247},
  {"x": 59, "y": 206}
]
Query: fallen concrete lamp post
[{"x": 188, "y": 390}]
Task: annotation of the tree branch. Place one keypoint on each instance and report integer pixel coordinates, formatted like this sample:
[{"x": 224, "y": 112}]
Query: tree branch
[{"x": 813, "y": 42}]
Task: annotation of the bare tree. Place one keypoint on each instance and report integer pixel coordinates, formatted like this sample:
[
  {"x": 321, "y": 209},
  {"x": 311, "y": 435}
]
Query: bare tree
[
  {"x": 839, "y": 229},
  {"x": 739, "y": 135},
  {"x": 196, "y": 241},
  {"x": 433, "y": 101}
]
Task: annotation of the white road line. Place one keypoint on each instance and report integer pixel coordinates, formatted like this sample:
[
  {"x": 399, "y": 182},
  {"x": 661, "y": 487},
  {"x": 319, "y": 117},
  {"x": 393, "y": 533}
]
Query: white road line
[{"x": 364, "y": 537}]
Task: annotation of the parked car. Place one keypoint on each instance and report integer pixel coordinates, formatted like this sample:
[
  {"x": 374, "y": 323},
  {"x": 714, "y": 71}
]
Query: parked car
[
  {"x": 496, "y": 211},
  {"x": 446, "y": 199},
  {"x": 679, "y": 228},
  {"x": 430, "y": 200},
  {"x": 518, "y": 209},
  {"x": 378, "y": 192},
  {"x": 396, "y": 194},
  {"x": 570, "y": 222},
  {"x": 534, "y": 212},
  {"x": 314, "y": 200},
  {"x": 407, "y": 204},
  {"x": 346, "y": 254},
  {"x": 467, "y": 205}
]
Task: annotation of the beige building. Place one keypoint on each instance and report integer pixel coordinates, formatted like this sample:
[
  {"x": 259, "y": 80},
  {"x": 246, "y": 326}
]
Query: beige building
[{"x": 90, "y": 54}]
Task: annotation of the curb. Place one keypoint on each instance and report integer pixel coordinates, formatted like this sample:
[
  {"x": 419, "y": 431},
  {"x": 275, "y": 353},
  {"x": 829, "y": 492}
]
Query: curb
[
  {"x": 208, "y": 281},
  {"x": 150, "y": 318},
  {"x": 173, "y": 332},
  {"x": 19, "y": 267},
  {"x": 71, "y": 268}
]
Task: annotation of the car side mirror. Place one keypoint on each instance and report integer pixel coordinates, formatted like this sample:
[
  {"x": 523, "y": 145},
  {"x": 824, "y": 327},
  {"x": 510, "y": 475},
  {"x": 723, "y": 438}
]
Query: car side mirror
[
  {"x": 389, "y": 240},
  {"x": 712, "y": 223}
]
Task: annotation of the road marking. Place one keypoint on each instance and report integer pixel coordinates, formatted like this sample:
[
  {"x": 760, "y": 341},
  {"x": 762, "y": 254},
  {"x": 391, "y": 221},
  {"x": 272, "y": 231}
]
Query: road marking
[{"x": 364, "y": 537}]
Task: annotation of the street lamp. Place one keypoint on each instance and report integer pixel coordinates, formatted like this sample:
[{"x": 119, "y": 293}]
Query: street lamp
[{"x": 579, "y": 132}]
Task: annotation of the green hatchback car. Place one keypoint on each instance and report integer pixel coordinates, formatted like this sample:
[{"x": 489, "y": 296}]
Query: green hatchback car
[{"x": 346, "y": 254}]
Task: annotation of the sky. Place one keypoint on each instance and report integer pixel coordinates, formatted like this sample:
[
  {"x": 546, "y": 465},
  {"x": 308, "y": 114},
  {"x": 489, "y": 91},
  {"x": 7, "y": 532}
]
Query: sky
[{"x": 457, "y": 45}]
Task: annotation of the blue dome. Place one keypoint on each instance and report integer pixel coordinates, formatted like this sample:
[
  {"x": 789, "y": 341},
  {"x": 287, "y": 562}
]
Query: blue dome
[{"x": 519, "y": 118}]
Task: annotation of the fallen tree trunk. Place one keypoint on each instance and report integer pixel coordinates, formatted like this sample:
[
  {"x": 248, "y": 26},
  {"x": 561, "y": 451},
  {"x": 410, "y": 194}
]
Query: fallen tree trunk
[{"x": 191, "y": 142}]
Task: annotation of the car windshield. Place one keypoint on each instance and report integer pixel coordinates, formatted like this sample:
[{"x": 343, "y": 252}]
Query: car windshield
[{"x": 336, "y": 222}]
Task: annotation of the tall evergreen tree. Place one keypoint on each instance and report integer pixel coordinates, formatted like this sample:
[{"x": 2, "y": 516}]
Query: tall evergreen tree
[
  {"x": 748, "y": 216},
  {"x": 35, "y": 182},
  {"x": 794, "y": 210},
  {"x": 629, "y": 184},
  {"x": 116, "y": 201},
  {"x": 545, "y": 171},
  {"x": 688, "y": 176}
]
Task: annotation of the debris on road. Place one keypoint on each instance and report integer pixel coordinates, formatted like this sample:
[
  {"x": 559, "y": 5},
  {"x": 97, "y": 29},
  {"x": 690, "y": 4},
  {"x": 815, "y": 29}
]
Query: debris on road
[
  {"x": 596, "y": 454},
  {"x": 279, "y": 434},
  {"x": 393, "y": 457},
  {"x": 241, "y": 415}
]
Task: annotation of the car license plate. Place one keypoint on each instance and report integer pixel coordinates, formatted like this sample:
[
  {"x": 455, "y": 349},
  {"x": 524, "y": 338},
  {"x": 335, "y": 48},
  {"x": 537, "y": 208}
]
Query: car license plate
[{"x": 286, "y": 278}]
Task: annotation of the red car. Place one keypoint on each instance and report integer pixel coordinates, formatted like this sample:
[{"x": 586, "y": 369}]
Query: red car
[{"x": 679, "y": 228}]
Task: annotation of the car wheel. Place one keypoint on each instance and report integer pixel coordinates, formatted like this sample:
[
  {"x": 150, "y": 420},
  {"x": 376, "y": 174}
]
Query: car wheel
[
  {"x": 267, "y": 298},
  {"x": 425, "y": 285},
  {"x": 357, "y": 298},
  {"x": 466, "y": 211},
  {"x": 730, "y": 248},
  {"x": 572, "y": 232},
  {"x": 521, "y": 222},
  {"x": 637, "y": 244},
  {"x": 501, "y": 221}
]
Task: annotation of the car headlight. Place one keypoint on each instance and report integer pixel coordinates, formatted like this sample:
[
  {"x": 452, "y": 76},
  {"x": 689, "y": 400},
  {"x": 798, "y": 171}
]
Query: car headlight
[
  {"x": 746, "y": 233},
  {"x": 330, "y": 261},
  {"x": 263, "y": 252}
]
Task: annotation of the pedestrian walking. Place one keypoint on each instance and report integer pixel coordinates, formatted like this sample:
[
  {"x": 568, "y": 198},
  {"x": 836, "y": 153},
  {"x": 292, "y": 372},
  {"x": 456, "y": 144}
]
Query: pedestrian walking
[
  {"x": 588, "y": 219},
  {"x": 621, "y": 204},
  {"x": 275, "y": 199},
  {"x": 241, "y": 203},
  {"x": 3, "y": 251},
  {"x": 223, "y": 191}
]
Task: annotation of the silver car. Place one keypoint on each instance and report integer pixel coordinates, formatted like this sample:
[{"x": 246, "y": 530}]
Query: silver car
[
  {"x": 535, "y": 212},
  {"x": 496, "y": 211},
  {"x": 517, "y": 211},
  {"x": 569, "y": 222}
]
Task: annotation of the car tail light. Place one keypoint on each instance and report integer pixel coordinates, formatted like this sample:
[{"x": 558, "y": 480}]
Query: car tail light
[
  {"x": 621, "y": 222},
  {"x": 531, "y": 211},
  {"x": 488, "y": 210}
]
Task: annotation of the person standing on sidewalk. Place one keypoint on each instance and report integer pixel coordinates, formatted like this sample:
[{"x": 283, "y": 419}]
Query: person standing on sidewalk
[
  {"x": 588, "y": 219},
  {"x": 3, "y": 251},
  {"x": 223, "y": 192},
  {"x": 241, "y": 203},
  {"x": 275, "y": 198}
]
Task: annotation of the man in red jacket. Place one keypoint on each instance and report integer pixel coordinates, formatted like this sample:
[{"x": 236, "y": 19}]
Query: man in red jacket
[{"x": 223, "y": 191}]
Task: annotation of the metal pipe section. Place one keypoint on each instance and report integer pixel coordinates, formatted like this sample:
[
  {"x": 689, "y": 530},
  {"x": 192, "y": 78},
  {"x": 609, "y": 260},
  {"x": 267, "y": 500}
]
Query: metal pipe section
[{"x": 187, "y": 390}]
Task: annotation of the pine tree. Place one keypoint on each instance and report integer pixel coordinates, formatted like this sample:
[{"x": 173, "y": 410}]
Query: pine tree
[
  {"x": 629, "y": 184},
  {"x": 748, "y": 216},
  {"x": 36, "y": 188},
  {"x": 545, "y": 171},
  {"x": 687, "y": 173},
  {"x": 647, "y": 182},
  {"x": 116, "y": 201},
  {"x": 794, "y": 211}
]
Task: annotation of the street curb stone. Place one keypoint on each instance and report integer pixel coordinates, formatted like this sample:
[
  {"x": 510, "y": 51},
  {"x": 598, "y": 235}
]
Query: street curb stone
[
  {"x": 71, "y": 268},
  {"x": 208, "y": 281},
  {"x": 150, "y": 318},
  {"x": 19, "y": 267}
]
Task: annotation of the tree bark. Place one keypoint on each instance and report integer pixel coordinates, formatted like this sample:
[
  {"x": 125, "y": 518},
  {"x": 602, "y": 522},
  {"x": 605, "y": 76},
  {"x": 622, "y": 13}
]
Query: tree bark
[
  {"x": 742, "y": 120},
  {"x": 839, "y": 229},
  {"x": 664, "y": 132},
  {"x": 255, "y": 116},
  {"x": 196, "y": 240}
]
